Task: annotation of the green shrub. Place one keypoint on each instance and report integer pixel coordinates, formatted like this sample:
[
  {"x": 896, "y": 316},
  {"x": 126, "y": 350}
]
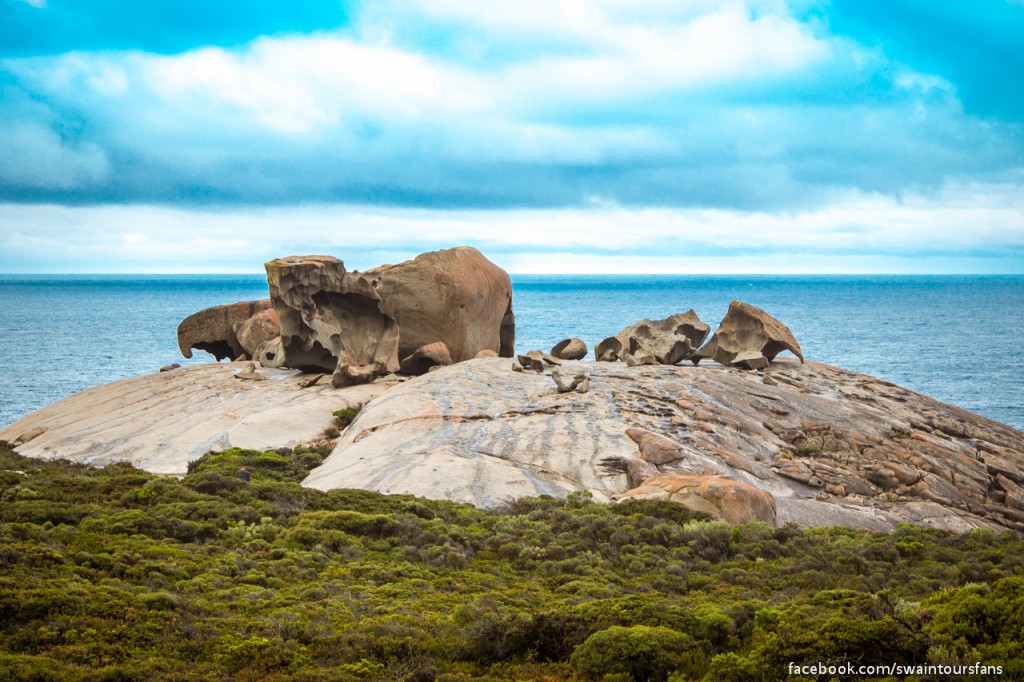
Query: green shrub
[{"x": 641, "y": 652}]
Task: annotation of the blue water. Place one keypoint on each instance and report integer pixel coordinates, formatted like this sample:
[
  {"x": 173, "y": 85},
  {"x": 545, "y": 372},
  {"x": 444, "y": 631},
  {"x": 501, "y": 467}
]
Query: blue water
[{"x": 956, "y": 338}]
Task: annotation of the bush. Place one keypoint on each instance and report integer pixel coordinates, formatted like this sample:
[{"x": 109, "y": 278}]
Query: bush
[{"x": 641, "y": 652}]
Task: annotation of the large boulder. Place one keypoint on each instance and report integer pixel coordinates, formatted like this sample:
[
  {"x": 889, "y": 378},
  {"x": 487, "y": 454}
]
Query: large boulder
[
  {"x": 748, "y": 337},
  {"x": 213, "y": 329},
  {"x": 719, "y": 497},
  {"x": 569, "y": 349},
  {"x": 332, "y": 320},
  {"x": 253, "y": 334},
  {"x": 455, "y": 296},
  {"x": 426, "y": 357},
  {"x": 670, "y": 341}
]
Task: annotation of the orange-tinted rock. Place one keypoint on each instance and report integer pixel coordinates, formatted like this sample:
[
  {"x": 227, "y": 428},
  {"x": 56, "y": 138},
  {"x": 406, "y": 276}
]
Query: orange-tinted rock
[
  {"x": 213, "y": 329},
  {"x": 654, "y": 448},
  {"x": 254, "y": 333},
  {"x": 455, "y": 296},
  {"x": 722, "y": 498},
  {"x": 426, "y": 358},
  {"x": 569, "y": 349}
]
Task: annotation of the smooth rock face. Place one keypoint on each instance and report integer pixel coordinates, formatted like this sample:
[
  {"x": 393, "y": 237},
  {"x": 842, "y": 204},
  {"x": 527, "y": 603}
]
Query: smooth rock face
[
  {"x": 455, "y": 296},
  {"x": 425, "y": 357},
  {"x": 668, "y": 341},
  {"x": 722, "y": 498},
  {"x": 254, "y": 333},
  {"x": 814, "y": 438},
  {"x": 569, "y": 349},
  {"x": 213, "y": 329},
  {"x": 748, "y": 337},
  {"x": 160, "y": 422},
  {"x": 325, "y": 310}
]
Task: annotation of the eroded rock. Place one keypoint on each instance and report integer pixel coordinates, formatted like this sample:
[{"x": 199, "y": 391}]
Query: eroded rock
[
  {"x": 331, "y": 320},
  {"x": 213, "y": 329},
  {"x": 748, "y": 337},
  {"x": 254, "y": 333},
  {"x": 669, "y": 341},
  {"x": 455, "y": 296},
  {"x": 567, "y": 383},
  {"x": 570, "y": 349},
  {"x": 425, "y": 358}
]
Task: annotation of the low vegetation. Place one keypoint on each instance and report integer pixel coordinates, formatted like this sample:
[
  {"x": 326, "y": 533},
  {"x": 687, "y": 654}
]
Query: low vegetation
[{"x": 116, "y": 574}]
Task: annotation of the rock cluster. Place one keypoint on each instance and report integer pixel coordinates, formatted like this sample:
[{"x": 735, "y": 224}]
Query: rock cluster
[
  {"x": 667, "y": 341},
  {"x": 441, "y": 307}
]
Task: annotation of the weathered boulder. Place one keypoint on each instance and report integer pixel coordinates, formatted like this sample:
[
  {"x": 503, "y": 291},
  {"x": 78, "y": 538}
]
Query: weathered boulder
[
  {"x": 569, "y": 349},
  {"x": 455, "y": 296},
  {"x": 213, "y": 329},
  {"x": 748, "y": 337},
  {"x": 423, "y": 358},
  {"x": 271, "y": 354},
  {"x": 722, "y": 498},
  {"x": 257, "y": 331},
  {"x": 324, "y": 310},
  {"x": 654, "y": 448},
  {"x": 537, "y": 360},
  {"x": 669, "y": 341}
]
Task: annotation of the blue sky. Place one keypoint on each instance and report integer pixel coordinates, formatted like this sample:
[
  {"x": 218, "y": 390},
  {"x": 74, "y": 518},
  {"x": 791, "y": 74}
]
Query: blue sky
[{"x": 607, "y": 136}]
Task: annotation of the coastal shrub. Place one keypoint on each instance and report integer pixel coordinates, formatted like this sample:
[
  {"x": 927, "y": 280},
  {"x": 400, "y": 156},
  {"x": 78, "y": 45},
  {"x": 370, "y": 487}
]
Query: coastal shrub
[
  {"x": 640, "y": 652},
  {"x": 344, "y": 417}
]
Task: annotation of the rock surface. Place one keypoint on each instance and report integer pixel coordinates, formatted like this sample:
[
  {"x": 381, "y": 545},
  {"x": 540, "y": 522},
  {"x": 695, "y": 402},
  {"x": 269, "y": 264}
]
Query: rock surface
[
  {"x": 667, "y": 341},
  {"x": 455, "y": 296},
  {"x": 325, "y": 310},
  {"x": 748, "y": 337},
  {"x": 213, "y": 329},
  {"x": 160, "y": 422},
  {"x": 833, "y": 447}
]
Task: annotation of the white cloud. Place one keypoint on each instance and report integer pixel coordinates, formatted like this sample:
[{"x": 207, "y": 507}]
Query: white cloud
[
  {"x": 857, "y": 233},
  {"x": 34, "y": 156}
]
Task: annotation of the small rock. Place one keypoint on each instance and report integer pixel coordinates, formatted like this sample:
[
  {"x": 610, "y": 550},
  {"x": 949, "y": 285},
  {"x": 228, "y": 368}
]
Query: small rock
[
  {"x": 168, "y": 368},
  {"x": 536, "y": 360},
  {"x": 312, "y": 381},
  {"x": 579, "y": 382},
  {"x": 569, "y": 349},
  {"x": 641, "y": 357},
  {"x": 249, "y": 373},
  {"x": 655, "y": 449},
  {"x": 426, "y": 358},
  {"x": 31, "y": 434},
  {"x": 487, "y": 353}
]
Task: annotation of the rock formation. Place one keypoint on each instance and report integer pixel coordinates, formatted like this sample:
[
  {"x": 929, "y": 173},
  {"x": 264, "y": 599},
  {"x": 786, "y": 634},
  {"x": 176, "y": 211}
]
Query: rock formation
[
  {"x": 748, "y": 337},
  {"x": 425, "y": 357},
  {"x": 213, "y": 329},
  {"x": 669, "y": 341},
  {"x": 722, "y": 498},
  {"x": 569, "y": 349},
  {"x": 253, "y": 334},
  {"x": 455, "y": 296},
  {"x": 567, "y": 383},
  {"x": 832, "y": 447},
  {"x": 324, "y": 311}
]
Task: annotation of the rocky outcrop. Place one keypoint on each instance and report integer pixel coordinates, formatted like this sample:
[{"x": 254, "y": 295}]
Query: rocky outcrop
[
  {"x": 748, "y": 337},
  {"x": 832, "y": 447},
  {"x": 214, "y": 329},
  {"x": 426, "y": 357},
  {"x": 331, "y": 320},
  {"x": 667, "y": 341},
  {"x": 722, "y": 498},
  {"x": 569, "y": 349},
  {"x": 455, "y": 296},
  {"x": 160, "y": 422}
]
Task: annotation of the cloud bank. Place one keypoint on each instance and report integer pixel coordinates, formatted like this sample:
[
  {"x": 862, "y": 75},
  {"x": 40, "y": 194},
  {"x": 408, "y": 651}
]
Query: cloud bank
[{"x": 601, "y": 129}]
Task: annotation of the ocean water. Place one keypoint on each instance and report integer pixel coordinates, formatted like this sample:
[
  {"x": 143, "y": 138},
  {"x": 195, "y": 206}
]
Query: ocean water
[{"x": 955, "y": 338}]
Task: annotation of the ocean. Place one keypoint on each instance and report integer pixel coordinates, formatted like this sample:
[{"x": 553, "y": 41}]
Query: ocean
[{"x": 955, "y": 338}]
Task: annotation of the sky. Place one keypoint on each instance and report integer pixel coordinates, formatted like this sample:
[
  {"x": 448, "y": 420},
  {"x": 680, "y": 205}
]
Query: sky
[{"x": 610, "y": 136}]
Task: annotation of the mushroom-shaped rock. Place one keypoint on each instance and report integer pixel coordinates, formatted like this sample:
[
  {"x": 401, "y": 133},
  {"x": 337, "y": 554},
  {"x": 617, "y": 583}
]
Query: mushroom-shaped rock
[
  {"x": 748, "y": 337},
  {"x": 670, "y": 341},
  {"x": 569, "y": 349},
  {"x": 455, "y": 296},
  {"x": 325, "y": 311},
  {"x": 722, "y": 498},
  {"x": 213, "y": 329},
  {"x": 257, "y": 331},
  {"x": 425, "y": 358}
]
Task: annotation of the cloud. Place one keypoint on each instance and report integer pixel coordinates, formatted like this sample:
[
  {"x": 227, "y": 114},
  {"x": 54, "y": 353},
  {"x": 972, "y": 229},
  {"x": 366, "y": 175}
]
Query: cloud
[{"x": 964, "y": 228}]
